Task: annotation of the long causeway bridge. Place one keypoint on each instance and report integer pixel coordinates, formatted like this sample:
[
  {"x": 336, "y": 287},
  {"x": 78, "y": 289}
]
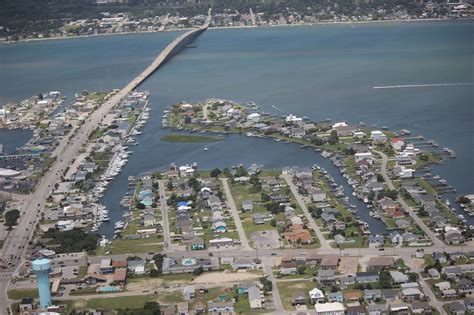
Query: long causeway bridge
[{"x": 16, "y": 242}]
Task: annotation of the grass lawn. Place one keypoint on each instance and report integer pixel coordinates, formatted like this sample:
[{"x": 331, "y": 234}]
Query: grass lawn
[
  {"x": 19, "y": 294},
  {"x": 111, "y": 304},
  {"x": 288, "y": 288},
  {"x": 120, "y": 247},
  {"x": 189, "y": 138},
  {"x": 82, "y": 271},
  {"x": 360, "y": 241}
]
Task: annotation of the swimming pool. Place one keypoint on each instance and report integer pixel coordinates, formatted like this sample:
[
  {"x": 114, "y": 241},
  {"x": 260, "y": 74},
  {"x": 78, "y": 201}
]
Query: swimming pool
[{"x": 108, "y": 289}]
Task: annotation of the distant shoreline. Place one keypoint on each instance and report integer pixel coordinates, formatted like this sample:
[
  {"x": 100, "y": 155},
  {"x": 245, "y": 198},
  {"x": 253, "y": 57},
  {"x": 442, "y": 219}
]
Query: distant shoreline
[{"x": 232, "y": 27}]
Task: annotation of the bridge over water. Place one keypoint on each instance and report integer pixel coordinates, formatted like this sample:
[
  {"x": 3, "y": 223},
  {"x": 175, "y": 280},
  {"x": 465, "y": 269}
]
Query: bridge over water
[{"x": 69, "y": 147}]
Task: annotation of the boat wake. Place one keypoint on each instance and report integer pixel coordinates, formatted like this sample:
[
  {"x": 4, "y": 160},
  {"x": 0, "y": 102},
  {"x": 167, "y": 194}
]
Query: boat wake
[
  {"x": 276, "y": 108},
  {"x": 422, "y": 85}
]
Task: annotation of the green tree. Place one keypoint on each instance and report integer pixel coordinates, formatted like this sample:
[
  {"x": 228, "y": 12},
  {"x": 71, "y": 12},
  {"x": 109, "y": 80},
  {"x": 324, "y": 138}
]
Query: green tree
[
  {"x": 385, "y": 279},
  {"x": 301, "y": 270},
  {"x": 215, "y": 172},
  {"x": 198, "y": 271},
  {"x": 333, "y": 137},
  {"x": 11, "y": 217}
]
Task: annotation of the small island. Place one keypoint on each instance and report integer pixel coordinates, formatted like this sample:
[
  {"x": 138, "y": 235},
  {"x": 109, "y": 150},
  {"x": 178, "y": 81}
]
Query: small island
[{"x": 190, "y": 138}]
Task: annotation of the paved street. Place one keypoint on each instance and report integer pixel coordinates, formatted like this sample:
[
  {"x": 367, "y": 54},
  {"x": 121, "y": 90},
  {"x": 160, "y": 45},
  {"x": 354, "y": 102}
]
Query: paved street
[
  {"x": 294, "y": 190},
  {"x": 69, "y": 148},
  {"x": 435, "y": 240},
  {"x": 235, "y": 215},
  {"x": 164, "y": 213},
  {"x": 267, "y": 267}
]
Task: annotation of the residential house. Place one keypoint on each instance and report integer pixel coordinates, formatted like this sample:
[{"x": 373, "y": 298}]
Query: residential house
[
  {"x": 399, "y": 309},
  {"x": 199, "y": 308},
  {"x": 398, "y": 277},
  {"x": 452, "y": 271},
  {"x": 441, "y": 257},
  {"x": 120, "y": 275},
  {"x": 298, "y": 298},
  {"x": 375, "y": 241},
  {"x": 465, "y": 286},
  {"x": 334, "y": 308},
  {"x": 326, "y": 277},
  {"x": 335, "y": 297},
  {"x": 372, "y": 295},
  {"x": 258, "y": 219},
  {"x": 469, "y": 304},
  {"x": 243, "y": 263},
  {"x": 377, "y": 309},
  {"x": 255, "y": 300},
  {"x": 381, "y": 262},
  {"x": 330, "y": 261},
  {"x": 457, "y": 308},
  {"x": 27, "y": 305},
  {"x": 352, "y": 296},
  {"x": 316, "y": 296},
  {"x": 367, "y": 277},
  {"x": 137, "y": 266},
  {"x": 220, "y": 308},
  {"x": 434, "y": 273},
  {"x": 298, "y": 235},
  {"x": 247, "y": 205},
  {"x": 183, "y": 308},
  {"x": 355, "y": 310},
  {"x": 106, "y": 266},
  {"x": 421, "y": 308},
  {"x": 396, "y": 238},
  {"x": 189, "y": 292},
  {"x": 391, "y": 295}
]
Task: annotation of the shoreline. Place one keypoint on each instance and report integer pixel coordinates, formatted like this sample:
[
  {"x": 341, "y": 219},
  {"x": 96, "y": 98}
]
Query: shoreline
[{"x": 7, "y": 43}]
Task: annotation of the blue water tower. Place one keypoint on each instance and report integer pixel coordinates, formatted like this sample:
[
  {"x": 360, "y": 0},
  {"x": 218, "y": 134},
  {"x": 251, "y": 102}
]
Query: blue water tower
[{"x": 42, "y": 268}]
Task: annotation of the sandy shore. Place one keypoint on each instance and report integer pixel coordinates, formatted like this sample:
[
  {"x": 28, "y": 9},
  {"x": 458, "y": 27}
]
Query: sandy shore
[{"x": 232, "y": 27}]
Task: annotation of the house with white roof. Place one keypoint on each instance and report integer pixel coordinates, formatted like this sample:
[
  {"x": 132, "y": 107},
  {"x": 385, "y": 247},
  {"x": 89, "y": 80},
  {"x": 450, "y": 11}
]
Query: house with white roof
[
  {"x": 378, "y": 136},
  {"x": 335, "y": 308},
  {"x": 316, "y": 296}
]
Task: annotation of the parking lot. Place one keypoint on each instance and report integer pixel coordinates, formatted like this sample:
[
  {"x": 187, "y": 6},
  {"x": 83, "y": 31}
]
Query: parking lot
[{"x": 268, "y": 239}]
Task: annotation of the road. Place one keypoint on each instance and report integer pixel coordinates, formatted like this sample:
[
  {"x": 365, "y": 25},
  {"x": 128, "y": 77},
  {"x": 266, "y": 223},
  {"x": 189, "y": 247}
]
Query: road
[
  {"x": 68, "y": 148},
  {"x": 427, "y": 290},
  {"x": 267, "y": 268},
  {"x": 164, "y": 213},
  {"x": 434, "y": 239},
  {"x": 235, "y": 215},
  {"x": 294, "y": 190}
]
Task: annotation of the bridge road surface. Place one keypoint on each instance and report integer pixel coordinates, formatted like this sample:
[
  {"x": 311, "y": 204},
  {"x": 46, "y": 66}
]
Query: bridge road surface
[{"x": 17, "y": 241}]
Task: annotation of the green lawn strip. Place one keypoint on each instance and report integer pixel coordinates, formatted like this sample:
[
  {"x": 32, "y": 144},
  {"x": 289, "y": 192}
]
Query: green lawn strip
[
  {"x": 123, "y": 302},
  {"x": 120, "y": 246},
  {"x": 287, "y": 289},
  {"x": 189, "y": 138},
  {"x": 21, "y": 293}
]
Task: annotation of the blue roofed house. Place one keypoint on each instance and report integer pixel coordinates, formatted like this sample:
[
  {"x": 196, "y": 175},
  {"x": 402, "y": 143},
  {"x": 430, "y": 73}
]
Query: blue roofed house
[{"x": 335, "y": 297}]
